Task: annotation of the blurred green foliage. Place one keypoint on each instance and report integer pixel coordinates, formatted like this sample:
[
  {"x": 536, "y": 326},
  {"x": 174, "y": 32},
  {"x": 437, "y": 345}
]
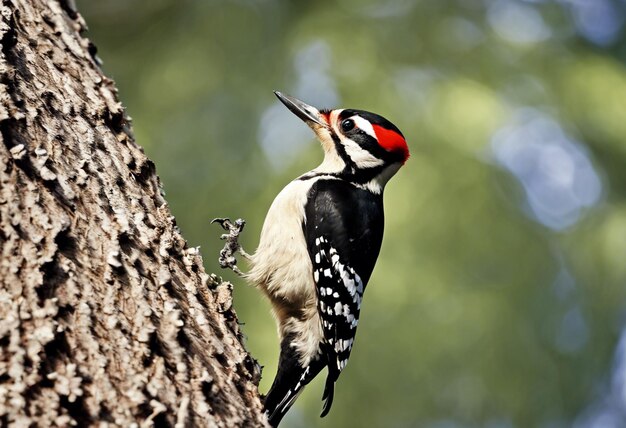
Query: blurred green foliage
[{"x": 499, "y": 297}]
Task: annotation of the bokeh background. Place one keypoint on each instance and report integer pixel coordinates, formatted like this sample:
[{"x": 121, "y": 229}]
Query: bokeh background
[{"x": 499, "y": 298}]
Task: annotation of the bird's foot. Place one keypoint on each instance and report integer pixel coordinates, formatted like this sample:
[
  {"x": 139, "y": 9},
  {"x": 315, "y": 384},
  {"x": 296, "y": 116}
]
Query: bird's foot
[{"x": 231, "y": 247}]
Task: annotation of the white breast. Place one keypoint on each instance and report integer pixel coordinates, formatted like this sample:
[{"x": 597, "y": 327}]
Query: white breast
[
  {"x": 281, "y": 267},
  {"x": 281, "y": 264}
]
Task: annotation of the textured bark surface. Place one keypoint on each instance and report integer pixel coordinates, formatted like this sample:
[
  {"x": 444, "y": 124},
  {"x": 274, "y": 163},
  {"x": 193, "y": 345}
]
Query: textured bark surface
[{"x": 105, "y": 314}]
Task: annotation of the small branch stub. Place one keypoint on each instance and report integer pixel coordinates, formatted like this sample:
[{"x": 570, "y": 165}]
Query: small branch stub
[{"x": 227, "y": 258}]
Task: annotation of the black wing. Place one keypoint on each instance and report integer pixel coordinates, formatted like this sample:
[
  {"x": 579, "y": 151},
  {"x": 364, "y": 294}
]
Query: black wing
[{"x": 344, "y": 228}]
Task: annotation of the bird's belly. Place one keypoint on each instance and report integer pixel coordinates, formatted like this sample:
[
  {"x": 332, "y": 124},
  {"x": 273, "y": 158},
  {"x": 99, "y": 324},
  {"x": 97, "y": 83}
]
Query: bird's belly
[{"x": 281, "y": 266}]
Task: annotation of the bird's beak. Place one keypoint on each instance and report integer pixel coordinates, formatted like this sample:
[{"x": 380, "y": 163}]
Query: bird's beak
[{"x": 309, "y": 114}]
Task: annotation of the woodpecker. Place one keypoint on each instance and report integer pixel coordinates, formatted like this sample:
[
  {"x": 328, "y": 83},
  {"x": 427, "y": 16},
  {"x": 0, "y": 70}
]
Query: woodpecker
[{"x": 319, "y": 244}]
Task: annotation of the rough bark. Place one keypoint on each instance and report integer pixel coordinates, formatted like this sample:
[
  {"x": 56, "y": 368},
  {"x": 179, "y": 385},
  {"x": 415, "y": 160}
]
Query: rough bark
[{"x": 106, "y": 315}]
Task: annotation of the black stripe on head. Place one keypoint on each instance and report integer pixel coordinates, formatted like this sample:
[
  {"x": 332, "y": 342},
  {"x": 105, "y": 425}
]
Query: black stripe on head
[
  {"x": 369, "y": 142},
  {"x": 341, "y": 151},
  {"x": 372, "y": 118},
  {"x": 364, "y": 139},
  {"x": 351, "y": 172}
]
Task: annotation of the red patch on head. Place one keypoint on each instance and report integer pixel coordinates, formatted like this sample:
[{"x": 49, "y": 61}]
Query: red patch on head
[{"x": 391, "y": 141}]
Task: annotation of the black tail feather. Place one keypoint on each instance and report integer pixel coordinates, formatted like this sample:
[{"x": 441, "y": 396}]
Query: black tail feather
[
  {"x": 329, "y": 387},
  {"x": 329, "y": 393},
  {"x": 290, "y": 379},
  {"x": 275, "y": 413},
  {"x": 285, "y": 390}
]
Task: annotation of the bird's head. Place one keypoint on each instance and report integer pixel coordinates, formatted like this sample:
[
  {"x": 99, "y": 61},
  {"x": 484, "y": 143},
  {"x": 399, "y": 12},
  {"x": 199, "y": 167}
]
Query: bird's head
[{"x": 360, "y": 145}]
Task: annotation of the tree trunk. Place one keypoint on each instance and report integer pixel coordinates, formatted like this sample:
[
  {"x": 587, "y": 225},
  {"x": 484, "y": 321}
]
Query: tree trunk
[{"x": 105, "y": 314}]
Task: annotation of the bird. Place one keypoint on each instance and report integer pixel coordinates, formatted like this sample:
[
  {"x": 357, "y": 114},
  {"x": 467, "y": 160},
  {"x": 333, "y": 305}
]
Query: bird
[{"x": 318, "y": 246}]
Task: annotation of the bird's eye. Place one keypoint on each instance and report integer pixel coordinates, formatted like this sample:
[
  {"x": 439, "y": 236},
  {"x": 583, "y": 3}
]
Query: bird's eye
[{"x": 347, "y": 125}]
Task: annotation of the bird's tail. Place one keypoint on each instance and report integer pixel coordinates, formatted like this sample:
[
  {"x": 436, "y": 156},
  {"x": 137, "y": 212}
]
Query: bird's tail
[
  {"x": 290, "y": 379},
  {"x": 329, "y": 389},
  {"x": 329, "y": 392}
]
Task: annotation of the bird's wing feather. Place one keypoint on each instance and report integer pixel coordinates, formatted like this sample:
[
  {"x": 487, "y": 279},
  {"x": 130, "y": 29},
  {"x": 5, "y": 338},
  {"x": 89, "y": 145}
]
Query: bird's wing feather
[
  {"x": 339, "y": 295},
  {"x": 343, "y": 246}
]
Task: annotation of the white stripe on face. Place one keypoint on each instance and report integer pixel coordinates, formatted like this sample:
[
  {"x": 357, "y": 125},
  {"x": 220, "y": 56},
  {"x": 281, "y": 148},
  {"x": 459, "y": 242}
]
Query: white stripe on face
[
  {"x": 361, "y": 157},
  {"x": 334, "y": 115},
  {"x": 364, "y": 126}
]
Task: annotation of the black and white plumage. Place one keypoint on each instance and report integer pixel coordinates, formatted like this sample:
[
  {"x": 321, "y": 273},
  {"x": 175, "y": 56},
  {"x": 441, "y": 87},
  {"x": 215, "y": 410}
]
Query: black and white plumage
[{"x": 319, "y": 244}]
